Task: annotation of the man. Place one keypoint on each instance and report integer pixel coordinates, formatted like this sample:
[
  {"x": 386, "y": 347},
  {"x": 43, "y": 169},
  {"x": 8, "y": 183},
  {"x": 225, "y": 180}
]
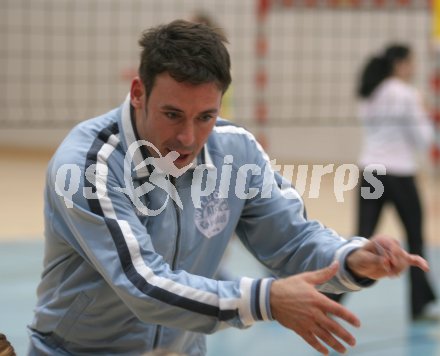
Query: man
[{"x": 142, "y": 201}]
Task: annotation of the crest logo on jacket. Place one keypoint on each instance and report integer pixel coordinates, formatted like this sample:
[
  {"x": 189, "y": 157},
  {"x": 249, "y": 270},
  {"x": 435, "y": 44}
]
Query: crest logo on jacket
[{"x": 213, "y": 215}]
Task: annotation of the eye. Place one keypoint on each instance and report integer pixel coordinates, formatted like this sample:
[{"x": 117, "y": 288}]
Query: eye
[
  {"x": 206, "y": 117},
  {"x": 172, "y": 115}
]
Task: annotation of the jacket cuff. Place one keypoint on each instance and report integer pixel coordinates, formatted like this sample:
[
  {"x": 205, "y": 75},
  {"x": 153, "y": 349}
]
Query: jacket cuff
[
  {"x": 344, "y": 275},
  {"x": 257, "y": 293}
]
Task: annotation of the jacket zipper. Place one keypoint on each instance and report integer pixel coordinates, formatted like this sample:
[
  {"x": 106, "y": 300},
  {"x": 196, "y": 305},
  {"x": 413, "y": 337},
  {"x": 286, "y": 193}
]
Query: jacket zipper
[
  {"x": 176, "y": 209},
  {"x": 173, "y": 265},
  {"x": 158, "y": 328}
]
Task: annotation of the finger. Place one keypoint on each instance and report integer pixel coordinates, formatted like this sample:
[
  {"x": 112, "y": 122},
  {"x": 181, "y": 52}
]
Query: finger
[
  {"x": 381, "y": 256},
  {"x": 396, "y": 254},
  {"x": 385, "y": 241},
  {"x": 313, "y": 342},
  {"x": 418, "y": 261},
  {"x": 400, "y": 259},
  {"x": 387, "y": 245},
  {"x": 375, "y": 247},
  {"x": 329, "y": 339},
  {"x": 338, "y": 310},
  {"x": 399, "y": 266},
  {"x": 391, "y": 250},
  {"x": 382, "y": 265},
  {"x": 322, "y": 275},
  {"x": 386, "y": 265},
  {"x": 333, "y": 327}
]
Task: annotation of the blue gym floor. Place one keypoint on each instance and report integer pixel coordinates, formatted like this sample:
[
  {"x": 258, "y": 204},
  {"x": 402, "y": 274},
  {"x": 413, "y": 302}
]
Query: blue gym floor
[{"x": 385, "y": 329}]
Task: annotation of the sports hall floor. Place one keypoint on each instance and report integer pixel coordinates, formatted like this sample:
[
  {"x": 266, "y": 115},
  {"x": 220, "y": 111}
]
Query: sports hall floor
[{"x": 382, "y": 309}]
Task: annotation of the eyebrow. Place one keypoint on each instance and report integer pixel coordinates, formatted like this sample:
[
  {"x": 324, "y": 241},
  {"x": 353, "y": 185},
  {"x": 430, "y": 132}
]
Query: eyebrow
[{"x": 173, "y": 108}]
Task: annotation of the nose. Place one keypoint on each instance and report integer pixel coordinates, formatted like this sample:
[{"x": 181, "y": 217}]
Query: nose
[{"x": 186, "y": 133}]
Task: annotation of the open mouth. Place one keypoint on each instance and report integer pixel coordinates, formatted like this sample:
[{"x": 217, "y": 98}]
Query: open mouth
[{"x": 182, "y": 156}]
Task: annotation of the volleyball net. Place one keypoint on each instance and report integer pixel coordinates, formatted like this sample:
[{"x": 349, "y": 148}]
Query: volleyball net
[{"x": 295, "y": 62}]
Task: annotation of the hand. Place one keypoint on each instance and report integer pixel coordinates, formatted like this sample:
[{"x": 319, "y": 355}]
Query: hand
[
  {"x": 297, "y": 305},
  {"x": 383, "y": 257}
]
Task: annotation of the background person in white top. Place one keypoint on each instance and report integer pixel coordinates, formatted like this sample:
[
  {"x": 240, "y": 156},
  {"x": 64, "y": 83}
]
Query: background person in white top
[
  {"x": 395, "y": 119},
  {"x": 396, "y": 125}
]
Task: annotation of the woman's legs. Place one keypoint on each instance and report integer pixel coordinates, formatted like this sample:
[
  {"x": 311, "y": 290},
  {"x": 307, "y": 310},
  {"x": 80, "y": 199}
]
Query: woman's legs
[{"x": 402, "y": 191}]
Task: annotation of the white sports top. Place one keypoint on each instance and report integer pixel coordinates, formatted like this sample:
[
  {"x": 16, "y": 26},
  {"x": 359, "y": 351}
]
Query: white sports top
[{"x": 395, "y": 126}]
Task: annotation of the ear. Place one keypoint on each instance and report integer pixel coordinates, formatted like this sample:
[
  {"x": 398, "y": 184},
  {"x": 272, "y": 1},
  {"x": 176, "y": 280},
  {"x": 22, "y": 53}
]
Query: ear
[{"x": 137, "y": 93}]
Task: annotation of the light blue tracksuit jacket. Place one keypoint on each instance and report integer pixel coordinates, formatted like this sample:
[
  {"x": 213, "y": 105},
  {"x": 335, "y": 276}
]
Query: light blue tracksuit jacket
[{"x": 122, "y": 280}]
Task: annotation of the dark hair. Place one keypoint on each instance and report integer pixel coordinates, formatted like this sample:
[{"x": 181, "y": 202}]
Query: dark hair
[
  {"x": 189, "y": 52},
  {"x": 378, "y": 68},
  {"x": 206, "y": 19},
  {"x": 396, "y": 53},
  {"x": 375, "y": 72}
]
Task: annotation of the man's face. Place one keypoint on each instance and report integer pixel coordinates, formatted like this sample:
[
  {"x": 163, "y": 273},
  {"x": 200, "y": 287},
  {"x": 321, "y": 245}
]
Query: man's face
[{"x": 176, "y": 116}]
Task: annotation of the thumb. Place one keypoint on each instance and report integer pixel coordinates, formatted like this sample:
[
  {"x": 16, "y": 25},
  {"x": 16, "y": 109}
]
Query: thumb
[
  {"x": 323, "y": 275},
  {"x": 418, "y": 261}
]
